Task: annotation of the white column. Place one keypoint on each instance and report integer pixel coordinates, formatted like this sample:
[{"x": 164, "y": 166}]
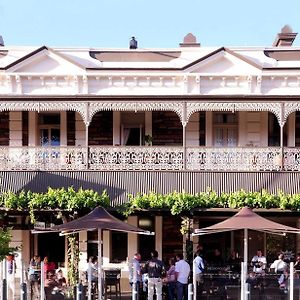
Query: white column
[
  {"x": 106, "y": 247},
  {"x": 158, "y": 234},
  {"x": 209, "y": 129},
  {"x": 148, "y": 123},
  {"x": 33, "y": 136},
  {"x": 192, "y": 131},
  {"x": 242, "y": 132},
  {"x": 264, "y": 129},
  {"x": 132, "y": 237},
  {"x": 83, "y": 251},
  {"x": 63, "y": 128},
  {"x": 291, "y": 130},
  {"x": 15, "y": 128},
  {"x": 80, "y": 131},
  {"x": 116, "y": 128}
]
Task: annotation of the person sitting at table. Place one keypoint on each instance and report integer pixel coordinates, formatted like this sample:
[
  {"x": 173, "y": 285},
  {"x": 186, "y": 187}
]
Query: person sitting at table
[
  {"x": 60, "y": 279},
  {"x": 234, "y": 262},
  {"x": 50, "y": 284},
  {"x": 217, "y": 259},
  {"x": 252, "y": 280},
  {"x": 259, "y": 263},
  {"x": 279, "y": 265}
]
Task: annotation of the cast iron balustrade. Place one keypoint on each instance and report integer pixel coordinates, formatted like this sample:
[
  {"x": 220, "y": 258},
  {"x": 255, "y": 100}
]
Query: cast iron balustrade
[{"x": 150, "y": 158}]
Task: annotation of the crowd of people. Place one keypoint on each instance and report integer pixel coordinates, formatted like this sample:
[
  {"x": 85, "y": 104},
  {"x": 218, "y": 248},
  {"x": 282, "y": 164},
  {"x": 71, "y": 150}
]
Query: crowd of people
[
  {"x": 154, "y": 277},
  {"x": 54, "y": 280},
  {"x": 171, "y": 280}
]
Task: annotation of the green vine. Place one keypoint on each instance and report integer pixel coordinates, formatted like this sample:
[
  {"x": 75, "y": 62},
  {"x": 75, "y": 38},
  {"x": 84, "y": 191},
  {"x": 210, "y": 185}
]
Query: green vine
[
  {"x": 73, "y": 260},
  {"x": 182, "y": 203},
  {"x": 58, "y": 199}
]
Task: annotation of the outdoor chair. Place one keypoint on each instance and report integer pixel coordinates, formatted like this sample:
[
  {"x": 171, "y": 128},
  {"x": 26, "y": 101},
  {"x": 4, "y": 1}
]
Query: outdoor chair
[{"x": 112, "y": 283}]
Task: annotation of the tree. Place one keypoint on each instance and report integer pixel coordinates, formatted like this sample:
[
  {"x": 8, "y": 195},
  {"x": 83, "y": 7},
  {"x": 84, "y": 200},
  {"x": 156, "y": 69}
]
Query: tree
[{"x": 5, "y": 238}]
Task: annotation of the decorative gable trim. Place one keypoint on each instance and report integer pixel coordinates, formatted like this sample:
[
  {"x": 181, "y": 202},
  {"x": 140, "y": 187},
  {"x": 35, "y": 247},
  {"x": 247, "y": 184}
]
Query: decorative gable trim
[{"x": 37, "y": 51}]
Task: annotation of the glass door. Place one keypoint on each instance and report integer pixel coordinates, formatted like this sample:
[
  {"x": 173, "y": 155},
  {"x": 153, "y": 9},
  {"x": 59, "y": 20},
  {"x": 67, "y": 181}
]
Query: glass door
[
  {"x": 50, "y": 136},
  {"x": 225, "y": 129}
]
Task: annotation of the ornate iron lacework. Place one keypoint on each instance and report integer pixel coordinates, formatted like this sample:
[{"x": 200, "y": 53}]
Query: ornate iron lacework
[
  {"x": 177, "y": 107},
  {"x": 193, "y": 107}
]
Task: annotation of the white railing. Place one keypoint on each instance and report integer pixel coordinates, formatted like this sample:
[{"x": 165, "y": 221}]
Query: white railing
[
  {"x": 136, "y": 158},
  {"x": 291, "y": 160},
  {"x": 234, "y": 159},
  {"x": 43, "y": 158},
  {"x": 149, "y": 158}
]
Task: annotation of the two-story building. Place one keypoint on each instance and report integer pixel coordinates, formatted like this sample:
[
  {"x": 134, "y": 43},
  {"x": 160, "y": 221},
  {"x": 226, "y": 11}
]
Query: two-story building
[{"x": 140, "y": 120}]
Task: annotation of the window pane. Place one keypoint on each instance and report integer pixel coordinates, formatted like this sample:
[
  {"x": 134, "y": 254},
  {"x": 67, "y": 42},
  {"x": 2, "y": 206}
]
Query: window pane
[{"x": 119, "y": 246}]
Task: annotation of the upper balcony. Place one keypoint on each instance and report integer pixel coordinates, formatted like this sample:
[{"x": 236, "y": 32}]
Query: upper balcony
[{"x": 136, "y": 158}]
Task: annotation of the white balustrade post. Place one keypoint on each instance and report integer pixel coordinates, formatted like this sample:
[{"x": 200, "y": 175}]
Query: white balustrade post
[
  {"x": 291, "y": 287},
  {"x": 42, "y": 293}
]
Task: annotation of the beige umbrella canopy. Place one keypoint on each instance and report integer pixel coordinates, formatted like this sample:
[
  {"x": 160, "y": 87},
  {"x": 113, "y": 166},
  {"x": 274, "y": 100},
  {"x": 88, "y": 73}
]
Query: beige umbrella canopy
[
  {"x": 247, "y": 219},
  {"x": 98, "y": 219}
]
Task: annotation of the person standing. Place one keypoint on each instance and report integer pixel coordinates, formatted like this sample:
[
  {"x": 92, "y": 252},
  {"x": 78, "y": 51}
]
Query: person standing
[
  {"x": 135, "y": 274},
  {"x": 156, "y": 271},
  {"x": 34, "y": 274},
  {"x": 198, "y": 265},
  {"x": 171, "y": 279},
  {"x": 182, "y": 271},
  {"x": 11, "y": 272}
]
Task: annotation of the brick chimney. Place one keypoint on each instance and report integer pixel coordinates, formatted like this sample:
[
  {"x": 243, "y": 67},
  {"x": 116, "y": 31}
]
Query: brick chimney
[
  {"x": 189, "y": 41},
  {"x": 1, "y": 41},
  {"x": 285, "y": 38}
]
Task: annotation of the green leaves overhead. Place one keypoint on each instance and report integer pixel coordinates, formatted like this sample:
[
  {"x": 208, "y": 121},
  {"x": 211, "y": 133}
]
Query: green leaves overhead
[
  {"x": 175, "y": 202},
  {"x": 183, "y": 202},
  {"x": 59, "y": 199}
]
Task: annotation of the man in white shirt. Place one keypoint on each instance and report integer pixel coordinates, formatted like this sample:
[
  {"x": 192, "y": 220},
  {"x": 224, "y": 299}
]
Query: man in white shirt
[
  {"x": 279, "y": 264},
  {"x": 182, "y": 271},
  {"x": 259, "y": 262},
  {"x": 198, "y": 266}
]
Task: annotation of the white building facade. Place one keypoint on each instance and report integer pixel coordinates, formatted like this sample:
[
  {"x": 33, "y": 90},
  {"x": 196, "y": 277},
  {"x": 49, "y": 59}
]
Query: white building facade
[{"x": 140, "y": 120}]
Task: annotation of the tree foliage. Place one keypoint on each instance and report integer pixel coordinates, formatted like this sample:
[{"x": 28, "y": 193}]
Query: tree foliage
[{"x": 5, "y": 238}]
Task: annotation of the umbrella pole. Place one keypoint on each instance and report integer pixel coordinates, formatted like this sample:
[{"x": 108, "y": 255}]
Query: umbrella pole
[
  {"x": 245, "y": 268},
  {"x": 100, "y": 264}
]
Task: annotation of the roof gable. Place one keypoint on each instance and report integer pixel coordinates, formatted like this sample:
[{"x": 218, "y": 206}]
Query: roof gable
[
  {"x": 45, "y": 60},
  {"x": 223, "y": 61}
]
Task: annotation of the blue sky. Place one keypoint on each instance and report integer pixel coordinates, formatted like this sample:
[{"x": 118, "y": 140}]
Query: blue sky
[{"x": 155, "y": 23}]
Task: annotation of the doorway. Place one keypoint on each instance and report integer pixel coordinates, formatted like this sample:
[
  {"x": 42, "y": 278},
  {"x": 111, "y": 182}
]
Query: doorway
[
  {"x": 49, "y": 129},
  {"x": 225, "y": 129},
  {"x": 53, "y": 246}
]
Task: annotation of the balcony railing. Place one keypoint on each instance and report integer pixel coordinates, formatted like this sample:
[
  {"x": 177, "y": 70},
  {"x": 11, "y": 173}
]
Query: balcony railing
[{"x": 150, "y": 158}]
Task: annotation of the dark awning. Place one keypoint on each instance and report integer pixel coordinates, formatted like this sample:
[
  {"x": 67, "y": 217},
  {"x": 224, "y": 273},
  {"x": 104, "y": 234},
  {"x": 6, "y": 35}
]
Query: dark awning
[{"x": 98, "y": 218}]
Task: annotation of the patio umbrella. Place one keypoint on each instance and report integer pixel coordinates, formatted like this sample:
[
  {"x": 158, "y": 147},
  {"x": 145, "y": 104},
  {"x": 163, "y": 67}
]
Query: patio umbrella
[
  {"x": 98, "y": 219},
  {"x": 247, "y": 219}
]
